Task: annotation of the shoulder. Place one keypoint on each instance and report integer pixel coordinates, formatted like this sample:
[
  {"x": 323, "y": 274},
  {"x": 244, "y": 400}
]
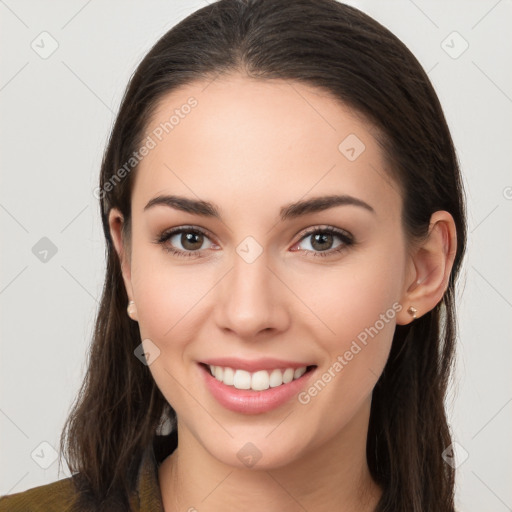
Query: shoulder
[{"x": 54, "y": 497}]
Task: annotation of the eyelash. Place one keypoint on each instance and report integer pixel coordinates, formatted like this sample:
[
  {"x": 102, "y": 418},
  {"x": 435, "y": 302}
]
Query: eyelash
[{"x": 344, "y": 236}]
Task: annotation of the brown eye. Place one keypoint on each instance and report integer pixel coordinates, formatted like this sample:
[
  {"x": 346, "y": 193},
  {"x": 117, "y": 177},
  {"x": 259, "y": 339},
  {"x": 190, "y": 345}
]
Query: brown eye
[
  {"x": 322, "y": 241},
  {"x": 185, "y": 241},
  {"x": 191, "y": 241},
  {"x": 325, "y": 241}
]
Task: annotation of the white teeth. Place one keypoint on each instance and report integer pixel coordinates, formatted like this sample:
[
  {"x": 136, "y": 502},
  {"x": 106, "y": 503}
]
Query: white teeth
[
  {"x": 257, "y": 381},
  {"x": 288, "y": 375},
  {"x": 299, "y": 372},
  {"x": 218, "y": 372},
  {"x": 242, "y": 380},
  {"x": 276, "y": 378},
  {"x": 229, "y": 376},
  {"x": 260, "y": 380}
]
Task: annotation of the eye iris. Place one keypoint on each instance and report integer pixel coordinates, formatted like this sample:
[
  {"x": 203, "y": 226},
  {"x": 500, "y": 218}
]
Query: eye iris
[
  {"x": 322, "y": 238},
  {"x": 189, "y": 239}
]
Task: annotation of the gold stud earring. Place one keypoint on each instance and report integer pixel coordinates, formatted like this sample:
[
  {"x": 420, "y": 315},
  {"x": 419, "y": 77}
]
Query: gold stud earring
[
  {"x": 412, "y": 311},
  {"x": 131, "y": 309}
]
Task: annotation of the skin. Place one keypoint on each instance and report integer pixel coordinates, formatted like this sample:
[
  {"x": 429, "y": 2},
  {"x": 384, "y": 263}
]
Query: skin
[{"x": 252, "y": 147}]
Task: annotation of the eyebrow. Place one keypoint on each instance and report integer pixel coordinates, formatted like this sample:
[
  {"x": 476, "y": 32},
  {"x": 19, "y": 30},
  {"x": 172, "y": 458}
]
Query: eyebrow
[{"x": 290, "y": 211}]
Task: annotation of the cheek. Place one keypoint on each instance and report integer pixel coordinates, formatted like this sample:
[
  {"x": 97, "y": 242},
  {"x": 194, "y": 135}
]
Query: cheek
[
  {"x": 168, "y": 294},
  {"x": 348, "y": 299},
  {"x": 169, "y": 305},
  {"x": 355, "y": 306},
  {"x": 360, "y": 311}
]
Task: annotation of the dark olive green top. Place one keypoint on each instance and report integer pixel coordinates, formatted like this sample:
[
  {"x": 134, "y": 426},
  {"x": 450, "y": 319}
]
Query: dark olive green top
[{"x": 59, "y": 496}]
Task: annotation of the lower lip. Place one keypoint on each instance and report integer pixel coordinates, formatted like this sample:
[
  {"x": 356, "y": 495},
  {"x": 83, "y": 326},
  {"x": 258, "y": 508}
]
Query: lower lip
[{"x": 248, "y": 401}]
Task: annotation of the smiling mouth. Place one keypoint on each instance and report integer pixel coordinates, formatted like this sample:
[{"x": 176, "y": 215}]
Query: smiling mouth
[{"x": 260, "y": 380}]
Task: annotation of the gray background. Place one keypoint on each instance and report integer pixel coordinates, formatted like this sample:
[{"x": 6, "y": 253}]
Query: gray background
[{"x": 56, "y": 114}]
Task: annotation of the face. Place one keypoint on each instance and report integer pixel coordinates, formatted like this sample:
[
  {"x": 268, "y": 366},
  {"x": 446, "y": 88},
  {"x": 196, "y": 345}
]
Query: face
[{"x": 310, "y": 286}]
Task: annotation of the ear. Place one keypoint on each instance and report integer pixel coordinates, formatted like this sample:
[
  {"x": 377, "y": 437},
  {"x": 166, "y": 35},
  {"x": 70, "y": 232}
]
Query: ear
[
  {"x": 116, "y": 222},
  {"x": 429, "y": 268}
]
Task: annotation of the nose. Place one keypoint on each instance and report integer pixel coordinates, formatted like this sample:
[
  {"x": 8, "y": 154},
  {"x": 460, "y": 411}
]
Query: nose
[{"x": 251, "y": 300}]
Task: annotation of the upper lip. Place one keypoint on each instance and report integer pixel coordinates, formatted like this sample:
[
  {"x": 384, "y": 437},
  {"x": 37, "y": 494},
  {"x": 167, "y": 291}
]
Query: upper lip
[{"x": 252, "y": 365}]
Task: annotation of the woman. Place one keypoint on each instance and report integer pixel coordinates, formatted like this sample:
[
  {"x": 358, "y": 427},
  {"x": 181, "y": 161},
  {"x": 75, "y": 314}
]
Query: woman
[{"x": 285, "y": 223}]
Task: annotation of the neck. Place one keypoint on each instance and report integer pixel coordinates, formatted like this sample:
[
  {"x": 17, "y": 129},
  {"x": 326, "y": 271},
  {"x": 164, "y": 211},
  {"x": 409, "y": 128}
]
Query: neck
[{"x": 331, "y": 476}]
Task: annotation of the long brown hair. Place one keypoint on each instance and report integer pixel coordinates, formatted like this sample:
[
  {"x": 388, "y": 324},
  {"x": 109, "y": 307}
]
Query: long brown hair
[{"x": 348, "y": 54}]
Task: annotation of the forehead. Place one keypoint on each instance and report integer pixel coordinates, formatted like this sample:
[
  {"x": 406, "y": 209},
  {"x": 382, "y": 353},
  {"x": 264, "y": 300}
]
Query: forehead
[{"x": 241, "y": 141}]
